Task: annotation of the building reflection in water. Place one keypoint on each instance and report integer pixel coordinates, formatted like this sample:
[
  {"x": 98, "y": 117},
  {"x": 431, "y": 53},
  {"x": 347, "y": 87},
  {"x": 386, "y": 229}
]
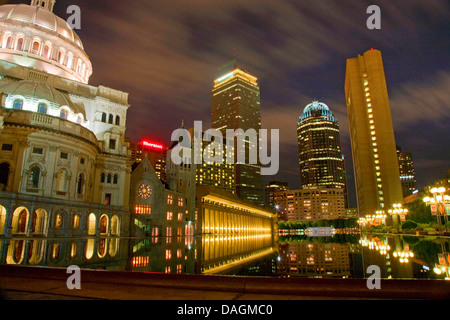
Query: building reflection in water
[
  {"x": 314, "y": 260},
  {"x": 259, "y": 254},
  {"x": 102, "y": 253},
  {"x": 224, "y": 254},
  {"x": 163, "y": 254}
]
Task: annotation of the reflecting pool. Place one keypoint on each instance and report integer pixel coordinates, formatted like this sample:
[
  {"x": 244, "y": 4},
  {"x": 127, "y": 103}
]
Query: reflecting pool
[{"x": 338, "y": 256}]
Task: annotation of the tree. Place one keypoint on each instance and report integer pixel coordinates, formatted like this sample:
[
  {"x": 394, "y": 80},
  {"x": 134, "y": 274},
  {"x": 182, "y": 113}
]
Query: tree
[
  {"x": 419, "y": 212},
  {"x": 409, "y": 224}
]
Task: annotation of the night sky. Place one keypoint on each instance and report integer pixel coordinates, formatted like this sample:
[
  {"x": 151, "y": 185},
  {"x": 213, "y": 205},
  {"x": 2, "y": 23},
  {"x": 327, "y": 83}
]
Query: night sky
[{"x": 166, "y": 54}]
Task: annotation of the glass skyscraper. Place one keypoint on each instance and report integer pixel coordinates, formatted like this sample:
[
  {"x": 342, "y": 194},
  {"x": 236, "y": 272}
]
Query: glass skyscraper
[{"x": 320, "y": 157}]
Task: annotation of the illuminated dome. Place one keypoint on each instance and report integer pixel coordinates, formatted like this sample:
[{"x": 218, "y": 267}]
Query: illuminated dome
[
  {"x": 316, "y": 108},
  {"x": 33, "y": 36},
  {"x": 315, "y": 105},
  {"x": 39, "y": 97}
]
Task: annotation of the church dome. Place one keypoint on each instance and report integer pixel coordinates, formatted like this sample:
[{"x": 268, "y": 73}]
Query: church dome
[
  {"x": 34, "y": 96},
  {"x": 39, "y": 17},
  {"x": 33, "y": 36}
]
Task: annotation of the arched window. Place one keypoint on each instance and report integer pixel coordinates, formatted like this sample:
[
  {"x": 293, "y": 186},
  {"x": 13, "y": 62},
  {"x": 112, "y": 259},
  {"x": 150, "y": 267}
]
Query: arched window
[
  {"x": 42, "y": 108},
  {"x": 59, "y": 220},
  {"x": 62, "y": 181},
  {"x": 117, "y": 121},
  {"x": 76, "y": 221},
  {"x": 35, "y": 47},
  {"x": 103, "y": 117},
  {"x": 46, "y": 51},
  {"x": 60, "y": 56},
  {"x": 91, "y": 224},
  {"x": 63, "y": 114},
  {"x": 102, "y": 177},
  {"x": 115, "y": 179},
  {"x": 115, "y": 225},
  {"x": 110, "y": 119},
  {"x": 78, "y": 69},
  {"x": 19, "y": 44},
  {"x": 8, "y": 42},
  {"x": 109, "y": 178},
  {"x": 80, "y": 184},
  {"x": 38, "y": 221},
  {"x": 83, "y": 70},
  {"x": 69, "y": 60},
  {"x": 4, "y": 174},
  {"x": 22, "y": 221},
  {"x": 18, "y": 104},
  {"x": 103, "y": 224},
  {"x": 34, "y": 177},
  {"x": 2, "y": 219}
]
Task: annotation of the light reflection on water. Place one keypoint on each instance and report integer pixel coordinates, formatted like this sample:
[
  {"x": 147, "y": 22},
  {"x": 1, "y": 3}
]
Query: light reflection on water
[{"x": 340, "y": 256}]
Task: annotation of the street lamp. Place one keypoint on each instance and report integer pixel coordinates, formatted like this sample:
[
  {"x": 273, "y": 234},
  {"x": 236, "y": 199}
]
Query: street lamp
[
  {"x": 403, "y": 255},
  {"x": 399, "y": 214},
  {"x": 438, "y": 204}
]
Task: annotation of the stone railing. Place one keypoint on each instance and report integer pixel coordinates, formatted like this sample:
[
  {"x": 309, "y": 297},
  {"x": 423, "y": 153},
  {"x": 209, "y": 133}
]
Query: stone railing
[{"x": 37, "y": 120}]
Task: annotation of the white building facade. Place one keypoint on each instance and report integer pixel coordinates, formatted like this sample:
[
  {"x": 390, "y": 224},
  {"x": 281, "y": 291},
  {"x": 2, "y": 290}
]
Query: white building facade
[{"x": 64, "y": 162}]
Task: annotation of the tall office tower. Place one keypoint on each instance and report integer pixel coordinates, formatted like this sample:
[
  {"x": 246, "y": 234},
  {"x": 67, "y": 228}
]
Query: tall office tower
[
  {"x": 375, "y": 163},
  {"x": 236, "y": 105},
  {"x": 319, "y": 149},
  {"x": 407, "y": 173}
]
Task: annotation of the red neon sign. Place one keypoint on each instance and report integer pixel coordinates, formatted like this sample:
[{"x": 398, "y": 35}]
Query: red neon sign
[{"x": 153, "y": 145}]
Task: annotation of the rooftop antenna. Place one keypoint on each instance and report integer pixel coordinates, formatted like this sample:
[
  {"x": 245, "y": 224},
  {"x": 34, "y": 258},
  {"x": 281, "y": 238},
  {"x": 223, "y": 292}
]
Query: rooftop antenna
[{"x": 226, "y": 66}]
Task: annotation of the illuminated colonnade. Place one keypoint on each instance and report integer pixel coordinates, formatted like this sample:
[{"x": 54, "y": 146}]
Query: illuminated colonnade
[{"x": 222, "y": 213}]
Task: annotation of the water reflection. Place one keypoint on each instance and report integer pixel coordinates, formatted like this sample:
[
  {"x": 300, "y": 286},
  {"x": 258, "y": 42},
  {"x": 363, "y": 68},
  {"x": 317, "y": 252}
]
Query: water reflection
[{"x": 340, "y": 256}]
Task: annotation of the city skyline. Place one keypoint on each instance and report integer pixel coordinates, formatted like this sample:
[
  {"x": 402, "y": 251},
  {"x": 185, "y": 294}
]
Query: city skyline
[
  {"x": 92, "y": 179},
  {"x": 305, "y": 48}
]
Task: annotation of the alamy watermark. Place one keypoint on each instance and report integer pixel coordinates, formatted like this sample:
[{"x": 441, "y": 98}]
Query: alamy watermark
[
  {"x": 374, "y": 281},
  {"x": 249, "y": 144},
  {"x": 74, "y": 280},
  {"x": 74, "y": 21},
  {"x": 374, "y": 21}
]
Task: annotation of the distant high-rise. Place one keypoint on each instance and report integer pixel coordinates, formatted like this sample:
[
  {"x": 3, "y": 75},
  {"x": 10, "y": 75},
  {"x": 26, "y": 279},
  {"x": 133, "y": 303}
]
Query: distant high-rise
[
  {"x": 319, "y": 149},
  {"x": 154, "y": 151},
  {"x": 236, "y": 105},
  {"x": 407, "y": 173},
  {"x": 219, "y": 175},
  {"x": 375, "y": 163},
  {"x": 270, "y": 190}
]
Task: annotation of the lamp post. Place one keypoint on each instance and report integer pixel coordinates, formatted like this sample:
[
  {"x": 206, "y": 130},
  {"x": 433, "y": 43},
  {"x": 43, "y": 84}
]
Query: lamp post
[
  {"x": 438, "y": 203},
  {"x": 399, "y": 214}
]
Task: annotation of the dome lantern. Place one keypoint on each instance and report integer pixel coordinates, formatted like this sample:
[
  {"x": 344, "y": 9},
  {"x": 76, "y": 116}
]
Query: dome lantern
[
  {"x": 34, "y": 37},
  {"x": 47, "y": 4}
]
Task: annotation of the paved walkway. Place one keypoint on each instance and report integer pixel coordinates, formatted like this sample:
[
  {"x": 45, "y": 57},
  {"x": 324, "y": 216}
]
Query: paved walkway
[{"x": 35, "y": 283}]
